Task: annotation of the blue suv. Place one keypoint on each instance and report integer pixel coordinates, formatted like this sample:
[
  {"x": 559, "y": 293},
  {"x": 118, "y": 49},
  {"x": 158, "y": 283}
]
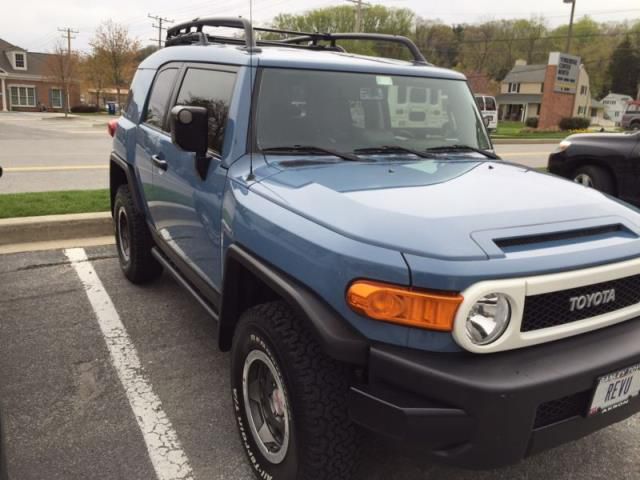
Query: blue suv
[{"x": 370, "y": 262}]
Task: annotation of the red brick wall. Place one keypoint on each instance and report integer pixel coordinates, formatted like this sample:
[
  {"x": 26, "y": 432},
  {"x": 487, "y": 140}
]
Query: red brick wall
[
  {"x": 555, "y": 106},
  {"x": 42, "y": 94}
]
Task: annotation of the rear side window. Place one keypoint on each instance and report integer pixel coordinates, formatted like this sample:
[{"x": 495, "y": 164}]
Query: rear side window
[
  {"x": 211, "y": 89},
  {"x": 491, "y": 104},
  {"x": 159, "y": 100}
]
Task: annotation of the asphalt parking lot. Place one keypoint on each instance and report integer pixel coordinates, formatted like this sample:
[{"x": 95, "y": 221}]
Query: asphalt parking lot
[{"x": 71, "y": 413}]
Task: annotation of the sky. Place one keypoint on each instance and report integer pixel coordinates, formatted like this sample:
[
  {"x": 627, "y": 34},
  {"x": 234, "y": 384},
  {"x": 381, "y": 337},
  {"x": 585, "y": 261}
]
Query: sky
[{"x": 33, "y": 24}]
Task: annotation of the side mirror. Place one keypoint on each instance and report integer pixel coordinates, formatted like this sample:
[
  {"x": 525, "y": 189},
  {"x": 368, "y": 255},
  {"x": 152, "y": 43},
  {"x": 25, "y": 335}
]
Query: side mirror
[
  {"x": 486, "y": 121},
  {"x": 190, "y": 129}
]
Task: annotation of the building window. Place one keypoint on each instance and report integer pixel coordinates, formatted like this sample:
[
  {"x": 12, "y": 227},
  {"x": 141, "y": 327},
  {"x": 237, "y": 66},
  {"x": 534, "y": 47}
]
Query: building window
[
  {"x": 56, "y": 98},
  {"x": 583, "y": 90},
  {"x": 538, "y": 109},
  {"x": 23, "y": 96},
  {"x": 514, "y": 88},
  {"x": 19, "y": 61}
]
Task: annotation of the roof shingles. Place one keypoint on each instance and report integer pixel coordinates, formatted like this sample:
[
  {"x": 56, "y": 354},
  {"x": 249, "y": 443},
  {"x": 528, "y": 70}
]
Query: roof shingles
[{"x": 36, "y": 62}]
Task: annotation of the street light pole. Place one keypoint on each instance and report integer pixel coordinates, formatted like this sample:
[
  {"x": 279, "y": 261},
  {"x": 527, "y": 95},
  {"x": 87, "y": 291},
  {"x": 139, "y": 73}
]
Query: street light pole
[{"x": 573, "y": 11}]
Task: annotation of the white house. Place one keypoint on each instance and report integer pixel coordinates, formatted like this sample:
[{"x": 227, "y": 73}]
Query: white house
[{"x": 614, "y": 106}]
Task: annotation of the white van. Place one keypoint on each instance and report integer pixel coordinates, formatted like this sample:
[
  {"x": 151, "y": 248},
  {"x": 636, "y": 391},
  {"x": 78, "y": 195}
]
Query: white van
[{"x": 489, "y": 109}]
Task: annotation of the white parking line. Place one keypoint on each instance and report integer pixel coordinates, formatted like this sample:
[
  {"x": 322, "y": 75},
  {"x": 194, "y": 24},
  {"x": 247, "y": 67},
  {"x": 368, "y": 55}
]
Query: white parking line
[{"x": 166, "y": 454}]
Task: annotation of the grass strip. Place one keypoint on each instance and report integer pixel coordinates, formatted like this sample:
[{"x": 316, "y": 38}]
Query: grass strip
[{"x": 53, "y": 203}]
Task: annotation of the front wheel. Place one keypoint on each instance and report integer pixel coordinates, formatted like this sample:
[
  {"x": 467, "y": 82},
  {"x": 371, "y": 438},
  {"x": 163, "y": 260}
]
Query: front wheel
[
  {"x": 290, "y": 399},
  {"x": 595, "y": 177}
]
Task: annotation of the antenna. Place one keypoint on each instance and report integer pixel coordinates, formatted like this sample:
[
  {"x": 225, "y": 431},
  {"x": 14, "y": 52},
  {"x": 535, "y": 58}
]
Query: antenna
[{"x": 251, "y": 176}]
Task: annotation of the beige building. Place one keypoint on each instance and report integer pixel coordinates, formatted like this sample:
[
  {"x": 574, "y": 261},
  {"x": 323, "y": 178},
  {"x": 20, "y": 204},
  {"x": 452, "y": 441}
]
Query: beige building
[{"x": 523, "y": 90}]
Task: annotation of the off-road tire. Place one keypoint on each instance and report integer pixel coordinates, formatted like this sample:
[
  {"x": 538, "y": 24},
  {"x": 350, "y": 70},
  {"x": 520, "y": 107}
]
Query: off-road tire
[
  {"x": 324, "y": 444},
  {"x": 600, "y": 179},
  {"x": 138, "y": 265}
]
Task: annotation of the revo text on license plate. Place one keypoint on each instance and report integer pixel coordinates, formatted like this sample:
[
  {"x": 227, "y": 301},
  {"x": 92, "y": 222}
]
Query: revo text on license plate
[{"x": 615, "y": 390}]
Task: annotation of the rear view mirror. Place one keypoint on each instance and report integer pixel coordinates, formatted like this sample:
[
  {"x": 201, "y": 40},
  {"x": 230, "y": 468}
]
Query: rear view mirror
[{"x": 190, "y": 129}]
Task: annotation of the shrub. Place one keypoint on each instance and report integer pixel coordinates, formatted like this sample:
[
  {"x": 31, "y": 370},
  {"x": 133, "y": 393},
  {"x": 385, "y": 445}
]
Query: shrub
[
  {"x": 574, "y": 123},
  {"x": 84, "y": 109},
  {"x": 532, "y": 122}
]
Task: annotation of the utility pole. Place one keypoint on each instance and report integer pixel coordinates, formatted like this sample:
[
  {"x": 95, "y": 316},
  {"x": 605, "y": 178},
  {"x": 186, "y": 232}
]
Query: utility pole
[
  {"x": 573, "y": 11},
  {"x": 359, "y": 13},
  {"x": 68, "y": 34},
  {"x": 159, "y": 26}
]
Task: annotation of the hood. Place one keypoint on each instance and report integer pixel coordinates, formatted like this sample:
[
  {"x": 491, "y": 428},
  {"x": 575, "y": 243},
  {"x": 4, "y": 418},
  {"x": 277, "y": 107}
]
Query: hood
[{"x": 449, "y": 209}]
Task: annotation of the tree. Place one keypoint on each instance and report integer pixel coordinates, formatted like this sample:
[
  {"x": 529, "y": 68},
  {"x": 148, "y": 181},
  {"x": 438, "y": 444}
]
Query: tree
[
  {"x": 376, "y": 19},
  {"x": 438, "y": 42},
  {"x": 112, "y": 42},
  {"x": 624, "y": 69},
  {"x": 96, "y": 73},
  {"x": 62, "y": 66}
]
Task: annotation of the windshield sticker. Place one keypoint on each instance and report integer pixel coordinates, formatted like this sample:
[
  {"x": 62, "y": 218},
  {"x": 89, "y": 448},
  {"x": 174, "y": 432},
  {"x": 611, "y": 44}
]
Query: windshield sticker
[{"x": 386, "y": 81}]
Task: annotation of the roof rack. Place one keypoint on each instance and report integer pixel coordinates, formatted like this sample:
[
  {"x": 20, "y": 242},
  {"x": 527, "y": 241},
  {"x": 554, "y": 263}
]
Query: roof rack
[{"x": 189, "y": 33}]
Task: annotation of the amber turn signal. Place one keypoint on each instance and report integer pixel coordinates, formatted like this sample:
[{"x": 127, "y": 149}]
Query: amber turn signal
[{"x": 414, "y": 308}]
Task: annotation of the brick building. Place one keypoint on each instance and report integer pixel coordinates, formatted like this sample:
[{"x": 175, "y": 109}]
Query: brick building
[{"x": 26, "y": 84}]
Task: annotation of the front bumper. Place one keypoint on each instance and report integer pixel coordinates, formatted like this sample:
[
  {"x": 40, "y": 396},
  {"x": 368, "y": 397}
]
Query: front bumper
[{"x": 493, "y": 410}]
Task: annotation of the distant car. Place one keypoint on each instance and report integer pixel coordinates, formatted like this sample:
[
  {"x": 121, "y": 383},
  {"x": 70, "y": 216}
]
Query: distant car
[
  {"x": 631, "y": 117},
  {"x": 609, "y": 162},
  {"x": 489, "y": 110}
]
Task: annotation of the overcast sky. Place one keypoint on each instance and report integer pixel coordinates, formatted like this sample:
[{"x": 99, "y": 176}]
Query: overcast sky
[{"x": 33, "y": 24}]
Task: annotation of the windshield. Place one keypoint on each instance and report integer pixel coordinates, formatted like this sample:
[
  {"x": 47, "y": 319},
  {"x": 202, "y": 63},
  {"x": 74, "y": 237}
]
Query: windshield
[{"x": 351, "y": 111}]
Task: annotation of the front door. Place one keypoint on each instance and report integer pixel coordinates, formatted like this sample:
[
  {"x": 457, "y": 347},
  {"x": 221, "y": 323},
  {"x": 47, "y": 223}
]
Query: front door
[{"x": 186, "y": 206}]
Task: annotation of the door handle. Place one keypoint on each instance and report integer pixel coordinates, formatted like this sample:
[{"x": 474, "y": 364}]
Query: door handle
[{"x": 158, "y": 162}]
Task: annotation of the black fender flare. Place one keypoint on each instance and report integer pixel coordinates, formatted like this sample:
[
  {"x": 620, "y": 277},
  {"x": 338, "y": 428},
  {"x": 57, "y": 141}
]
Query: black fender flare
[
  {"x": 336, "y": 336},
  {"x": 130, "y": 174}
]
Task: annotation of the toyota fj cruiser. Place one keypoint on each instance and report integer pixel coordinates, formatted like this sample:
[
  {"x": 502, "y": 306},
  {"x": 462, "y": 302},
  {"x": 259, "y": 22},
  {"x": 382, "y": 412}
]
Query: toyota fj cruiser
[{"x": 370, "y": 262}]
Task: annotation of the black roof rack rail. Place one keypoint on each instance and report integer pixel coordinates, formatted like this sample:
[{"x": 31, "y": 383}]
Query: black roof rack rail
[
  {"x": 192, "y": 33},
  {"x": 184, "y": 33},
  {"x": 381, "y": 37}
]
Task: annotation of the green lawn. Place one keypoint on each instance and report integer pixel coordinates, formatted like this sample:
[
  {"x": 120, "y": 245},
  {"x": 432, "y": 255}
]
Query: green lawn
[
  {"x": 508, "y": 129},
  {"x": 53, "y": 203}
]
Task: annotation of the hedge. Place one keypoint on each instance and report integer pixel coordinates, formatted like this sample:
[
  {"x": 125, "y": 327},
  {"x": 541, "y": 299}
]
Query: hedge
[
  {"x": 85, "y": 109},
  {"x": 574, "y": 123}
]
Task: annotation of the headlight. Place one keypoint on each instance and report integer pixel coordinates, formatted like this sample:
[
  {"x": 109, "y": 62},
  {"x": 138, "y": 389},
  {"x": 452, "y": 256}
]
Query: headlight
[
  {"x": 562, "y": 146},
  {"x": 488, "y": 319}
]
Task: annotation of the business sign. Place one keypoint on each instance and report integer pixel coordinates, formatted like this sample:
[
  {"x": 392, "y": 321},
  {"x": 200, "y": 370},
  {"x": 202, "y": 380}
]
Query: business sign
[{"x": 567, "y": 73}]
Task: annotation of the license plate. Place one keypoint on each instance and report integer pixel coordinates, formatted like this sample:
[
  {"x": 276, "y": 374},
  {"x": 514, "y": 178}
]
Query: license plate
[{"x": 615, "y": 390}]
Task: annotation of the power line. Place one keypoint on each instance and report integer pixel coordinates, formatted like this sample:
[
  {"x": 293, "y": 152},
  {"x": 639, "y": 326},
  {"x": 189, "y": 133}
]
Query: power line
[{"x": 160, "y": 28}]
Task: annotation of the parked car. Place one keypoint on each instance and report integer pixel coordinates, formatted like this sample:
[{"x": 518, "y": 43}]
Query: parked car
[
  {"x": 489, "y": 109},
  {"x": 631, "y": 117},
  {"x": 365, "y": 273},
  {"x": 608, "y": 162}
]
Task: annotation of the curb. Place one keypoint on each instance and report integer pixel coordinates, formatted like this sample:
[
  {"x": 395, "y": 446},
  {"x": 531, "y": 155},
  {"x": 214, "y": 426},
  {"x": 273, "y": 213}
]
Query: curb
[
  {"x": 55, "y": 228},
  {"x": 524, "y": 141}
]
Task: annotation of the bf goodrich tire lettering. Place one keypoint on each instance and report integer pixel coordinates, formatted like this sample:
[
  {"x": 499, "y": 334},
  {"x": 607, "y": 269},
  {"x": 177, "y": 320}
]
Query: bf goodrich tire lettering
[{"x": 323, "y": 444}]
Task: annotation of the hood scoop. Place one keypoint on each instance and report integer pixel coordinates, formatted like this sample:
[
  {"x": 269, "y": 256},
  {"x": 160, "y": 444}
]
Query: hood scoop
[
  {"x": 573, "y": 236},
  {"x": 556, "y": 236}
]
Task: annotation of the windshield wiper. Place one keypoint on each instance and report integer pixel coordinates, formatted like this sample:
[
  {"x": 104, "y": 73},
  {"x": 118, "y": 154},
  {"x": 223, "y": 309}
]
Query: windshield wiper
[
  {"x": 392, "y": 149},
  {"x": 311, "y": 149},
  {"x": 463, "y": 148}
]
